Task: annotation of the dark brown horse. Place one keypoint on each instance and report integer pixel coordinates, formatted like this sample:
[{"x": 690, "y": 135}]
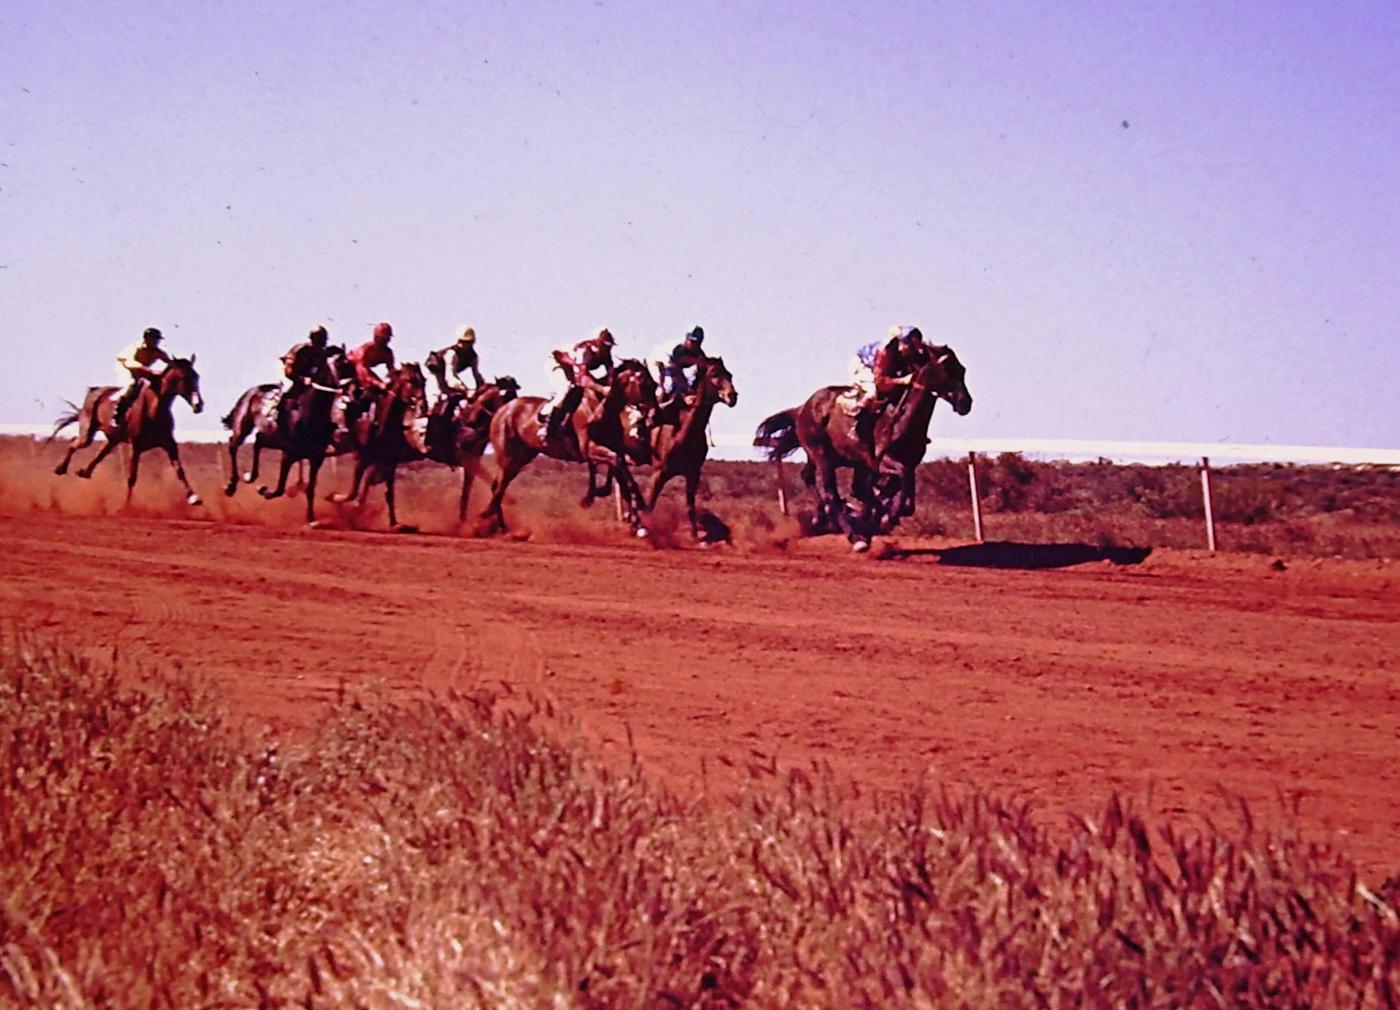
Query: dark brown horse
[
  {"x": 883, "y": 457},
  {"x": 679, "y": 438},
  {"x": 386, "y": 432},
  {"x": 459, "y": 429},
  {"x": 310, "y": 420},
  {"x": 597, "y": 435},
  {"x": 148, "y": 422}
]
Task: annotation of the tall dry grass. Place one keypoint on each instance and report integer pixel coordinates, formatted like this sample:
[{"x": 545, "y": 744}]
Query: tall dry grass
[{"x": 463, "y": 852}]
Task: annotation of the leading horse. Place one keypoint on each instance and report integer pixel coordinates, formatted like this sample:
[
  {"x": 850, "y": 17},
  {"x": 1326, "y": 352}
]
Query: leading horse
[
  {"x": 148, "y": 422},
  {"x": 883, "y": 457},
  {"x": 597, "y": 435}
]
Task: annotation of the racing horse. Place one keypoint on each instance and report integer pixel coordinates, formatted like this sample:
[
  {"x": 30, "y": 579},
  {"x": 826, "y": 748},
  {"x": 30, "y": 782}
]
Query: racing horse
[
  {"x": 307, "y": 432},
  {"x": 883, "y": 457},
  {"x": 459, "y": 429},
  {"x": 597, "y": 435},
  {"x": 148, "y": 422},
  {"x": 679, "y": 440},
  {"x": 385, "y": 433}
]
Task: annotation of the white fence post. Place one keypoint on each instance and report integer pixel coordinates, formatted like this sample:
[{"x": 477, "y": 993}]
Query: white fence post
[
  {"x": 782, "y": 489},
  {"x": 1205, "y": 496},
  {"x": 976, "y": 498},
  {"x": 617, "y": 499}
]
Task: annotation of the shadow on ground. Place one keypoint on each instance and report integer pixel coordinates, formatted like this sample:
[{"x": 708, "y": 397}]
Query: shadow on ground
[{"x": 1006, "y": 554}]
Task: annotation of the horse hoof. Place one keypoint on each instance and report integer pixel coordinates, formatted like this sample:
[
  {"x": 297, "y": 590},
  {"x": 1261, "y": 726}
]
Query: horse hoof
[
  {"x": 193, "y": 499},
  {"x": 230, "y": 490},
  {"x": 60, "y": 470},
  {"x": 586, "y": 501},
  {"x": 248, "y": 478},
  {"x": 315, "y": 524},
  {"x": 860, "y": 546},
  {"x": 85, "y": 474},
  {"x": 641, "y": 533}
]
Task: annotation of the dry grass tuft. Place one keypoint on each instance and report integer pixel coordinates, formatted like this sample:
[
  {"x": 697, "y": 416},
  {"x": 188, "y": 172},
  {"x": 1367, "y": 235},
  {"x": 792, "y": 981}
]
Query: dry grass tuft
[{"x": 463, "y": 852}]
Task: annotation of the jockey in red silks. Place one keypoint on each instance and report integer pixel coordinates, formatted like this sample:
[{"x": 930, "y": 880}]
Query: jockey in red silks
[
  {"x": 571, "y": 372},
  {"x": 372, "y": 354},
  {"x": 881, "y": 369}
]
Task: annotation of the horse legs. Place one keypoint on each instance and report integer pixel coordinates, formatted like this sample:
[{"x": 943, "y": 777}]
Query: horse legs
[
  {"x": 102, "y": 454},
  {"x": 631, "y": 494},
  {"x": 252, "y": 474},
  {"x": 354, "y": 492},
  {"x": 87, "y": 431},
  {"x": 692, "y": 485},
  {"x": 133, "y": 464},
  {"x": 282, "y": 473},
  {"x": 389, "y": 472},
  {"x": 315, "y": 470},
  {"x": 468, "y": 474},
  {"x": 595, "y": 490},
  {"x": 234, "y": 441},
  {"x": 659, "y": 477},
  {"x": 510, "y": 467},
  {"x": 173, "y": 451}
]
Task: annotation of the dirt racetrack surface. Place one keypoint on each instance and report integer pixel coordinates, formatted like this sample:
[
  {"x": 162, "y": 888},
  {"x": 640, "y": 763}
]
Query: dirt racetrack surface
[{"x": 1178, "y": 675}]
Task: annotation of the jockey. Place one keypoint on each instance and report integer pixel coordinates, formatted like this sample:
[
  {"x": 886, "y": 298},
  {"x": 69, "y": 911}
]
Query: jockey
[
  {"x": 458, "y": 357},
  {"x": 142, "y": 361},
  {"x": 371, "y": 354},
  {"x": 676, "y": 370},
  {"x": 301, "y": 365},
  {"x": 881, "y": 368},
  {"x": 304, "y": 361},
  {"x": 571, "y": 373}
]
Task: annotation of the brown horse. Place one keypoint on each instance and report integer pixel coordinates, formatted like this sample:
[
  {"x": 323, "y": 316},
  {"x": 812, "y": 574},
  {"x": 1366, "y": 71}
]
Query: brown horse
[
  {"x": 385, "y": 433},
  {"x": 597, "y": 435},
  {"x": 679, "y": 439},
  {"x": 308, "y": 429},
  {"x": 147, "y": 423},
  {"x": 459, "y": 429},
  {"x": 883, "y": 457}
]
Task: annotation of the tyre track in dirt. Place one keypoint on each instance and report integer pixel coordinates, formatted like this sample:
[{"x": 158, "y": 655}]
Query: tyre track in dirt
[{"x": 1180, "y": 674}]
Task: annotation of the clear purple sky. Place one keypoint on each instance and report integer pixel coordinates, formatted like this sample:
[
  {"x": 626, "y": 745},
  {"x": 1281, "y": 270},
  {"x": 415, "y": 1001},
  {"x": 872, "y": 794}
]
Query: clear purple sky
[{"x": 1131, "y": 220}]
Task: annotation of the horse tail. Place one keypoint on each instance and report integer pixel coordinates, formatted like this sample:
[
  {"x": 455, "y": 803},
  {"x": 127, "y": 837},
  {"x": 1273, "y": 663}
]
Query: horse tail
[
  {"x": 227, "y": 419},
  {"x": 70, "y": 416},
  {"x": 778, "y": 434}
]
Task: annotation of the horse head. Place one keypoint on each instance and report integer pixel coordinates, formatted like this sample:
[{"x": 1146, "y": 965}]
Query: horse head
[
  {"x": 508, "y": 389},
  {"x": 713, "y": 373},
  {"x": 943, "y": 375},
  {"x": 635, "y": 385},
  {"x": 181, "y": 379},
  {"x": 408, "y": 385}
]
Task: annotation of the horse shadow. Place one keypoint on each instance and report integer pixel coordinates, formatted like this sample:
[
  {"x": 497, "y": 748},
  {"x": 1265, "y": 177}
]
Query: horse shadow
[{"x": 1009, "y": 554}]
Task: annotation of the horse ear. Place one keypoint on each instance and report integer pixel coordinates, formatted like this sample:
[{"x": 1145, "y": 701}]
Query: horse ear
[{"x": 192, "y": 357}]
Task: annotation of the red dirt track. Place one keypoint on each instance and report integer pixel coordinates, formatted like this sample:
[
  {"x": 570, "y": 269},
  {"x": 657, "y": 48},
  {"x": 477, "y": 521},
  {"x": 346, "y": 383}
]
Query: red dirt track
[{"x": 1181, "y": 674}]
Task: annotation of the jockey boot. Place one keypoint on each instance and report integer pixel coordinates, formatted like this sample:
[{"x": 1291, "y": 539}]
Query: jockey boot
[{"x": 554, "y": 426}]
